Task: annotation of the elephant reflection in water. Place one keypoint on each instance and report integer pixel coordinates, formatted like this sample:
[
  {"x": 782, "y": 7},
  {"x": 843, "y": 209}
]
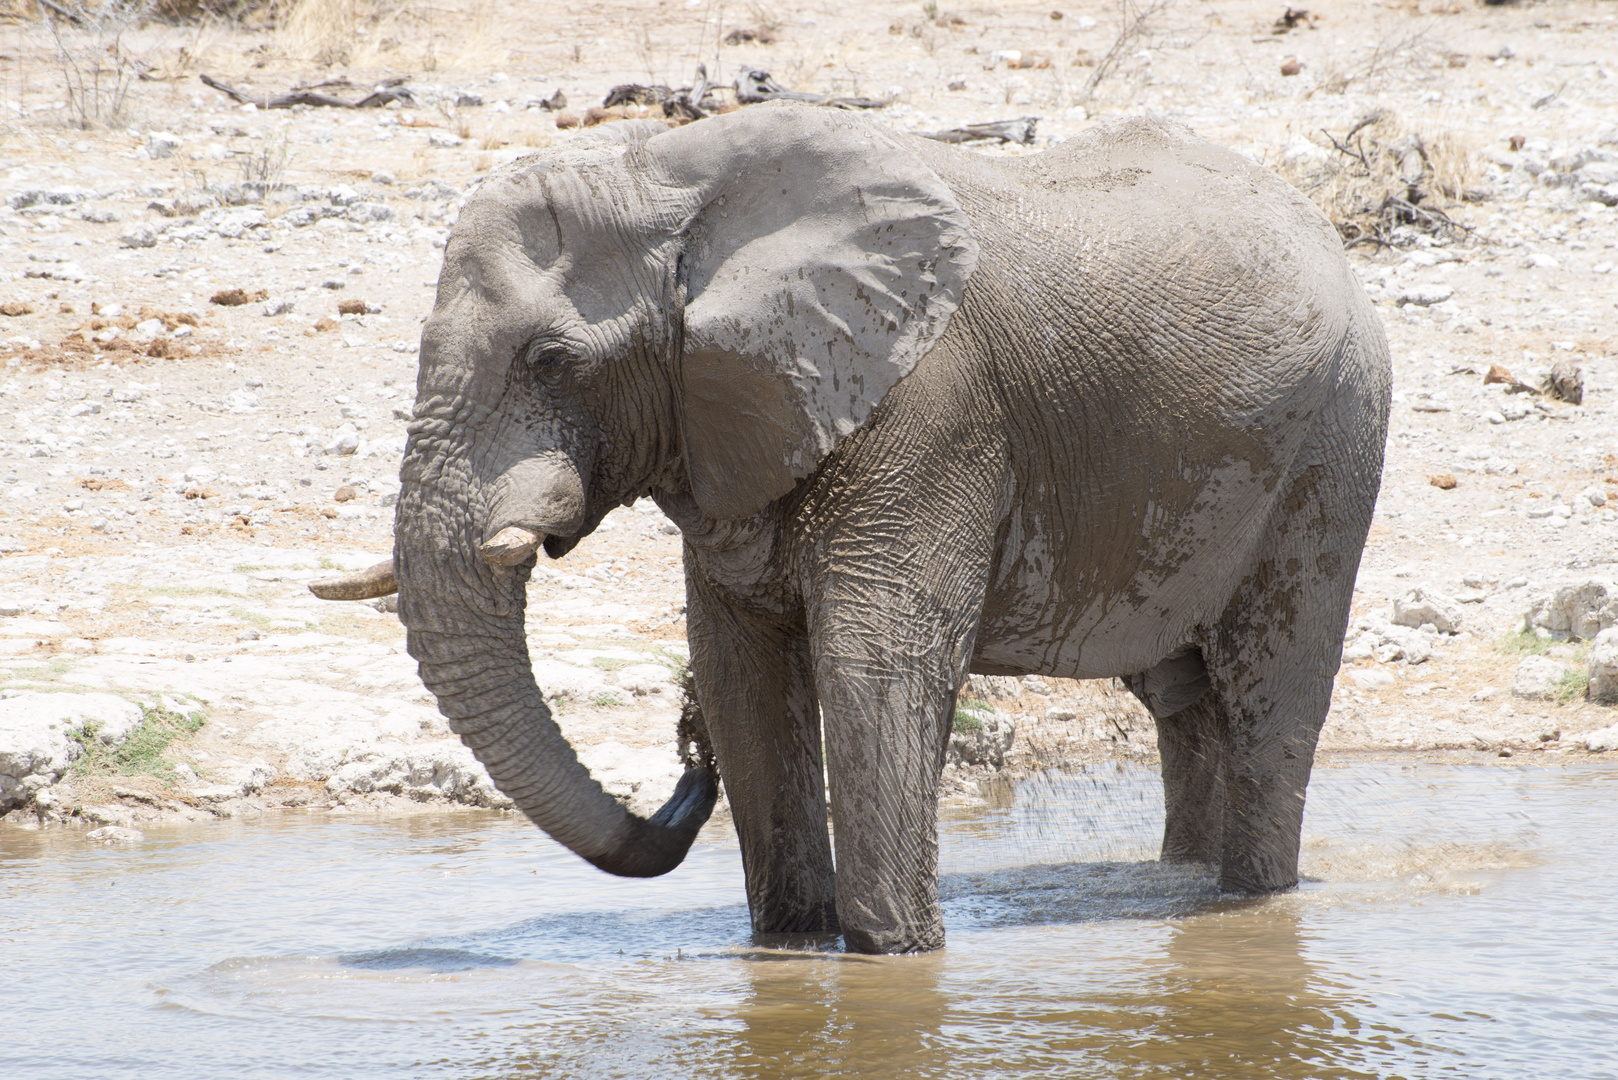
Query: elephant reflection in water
[
  {"x": 1238, "y": 997},
  {"x": 831, "y": 1015},
  {"x": 1232, "y": 995}
]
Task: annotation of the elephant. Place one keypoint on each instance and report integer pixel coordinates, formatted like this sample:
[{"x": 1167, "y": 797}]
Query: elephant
[{"x": 1113, "y": 410}]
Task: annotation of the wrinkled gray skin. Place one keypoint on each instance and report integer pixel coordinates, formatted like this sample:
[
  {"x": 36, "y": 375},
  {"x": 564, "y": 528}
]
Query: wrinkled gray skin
[{"x": 1117, "y": 409}]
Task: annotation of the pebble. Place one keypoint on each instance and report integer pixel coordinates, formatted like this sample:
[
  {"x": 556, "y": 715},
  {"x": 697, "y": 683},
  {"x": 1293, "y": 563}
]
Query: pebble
[
  {"x": 138, "y": 236},
  {"x": 1425, "y": 295},
  {"x": 162, "y": 144},
  {"x": 345, "y": 440}
]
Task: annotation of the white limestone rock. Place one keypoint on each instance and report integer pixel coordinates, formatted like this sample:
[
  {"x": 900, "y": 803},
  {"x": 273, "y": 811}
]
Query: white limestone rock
[
  {"x": 1423, "y": 605},
  {"x": 1604, "y": 667},
  {"x": 426, "y": 772},
  {"x": 985, "y": 744},
  {"x": 1539, "y": 678},
  {"x": 642, "y": 778},
  {"x": 1579, "y": 611}
]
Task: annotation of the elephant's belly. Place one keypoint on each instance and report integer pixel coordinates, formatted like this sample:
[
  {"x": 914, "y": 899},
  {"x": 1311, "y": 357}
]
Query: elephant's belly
[
  {"x": 1083, "y": 602},
  {"x": 1116, "y": 638}
]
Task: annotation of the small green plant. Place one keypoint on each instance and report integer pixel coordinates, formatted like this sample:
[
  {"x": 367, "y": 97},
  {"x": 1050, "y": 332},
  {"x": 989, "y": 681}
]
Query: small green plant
[
  {"x": 329, "y": 563},
  {"x": 969, "y": 714},
  {"x": 613, "y": 663},
  {"x": 605, "y": 701},
  {"x": 246, "y": 568},
  {"x": 1575, "y": 685},
  {"x": 46, "y": 672},
  {"x": 679, "y": 668},
  {"x": 142, "y": 752},
  {"x": 189, "y": 590},
  {"x": 257, "y": 620},
  {"x": 1524, "y": 643}
]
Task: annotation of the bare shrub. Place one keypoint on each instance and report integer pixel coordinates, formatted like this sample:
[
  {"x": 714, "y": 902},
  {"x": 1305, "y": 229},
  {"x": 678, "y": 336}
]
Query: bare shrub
[
  {"x": 1383, "y": 182},
  {"x": 263, "y": 170},
  {"x": 1392, "y": 58},
  {"x": 97, "y": 69},
  {"x": 1137, "y": 22},
  {"x": 203, "y": 11}
]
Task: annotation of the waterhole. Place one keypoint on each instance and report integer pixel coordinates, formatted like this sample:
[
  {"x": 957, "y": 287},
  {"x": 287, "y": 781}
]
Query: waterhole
[{"x": 1456, "y": 920}]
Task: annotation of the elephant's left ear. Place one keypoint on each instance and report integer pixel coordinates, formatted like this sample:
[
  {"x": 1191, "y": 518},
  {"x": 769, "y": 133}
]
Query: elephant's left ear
[{"x": 821, "y": 260}]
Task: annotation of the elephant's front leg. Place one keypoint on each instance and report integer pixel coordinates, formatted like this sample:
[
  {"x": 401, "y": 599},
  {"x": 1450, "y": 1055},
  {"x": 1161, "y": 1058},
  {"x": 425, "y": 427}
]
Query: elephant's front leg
[
  {"x": 887, "y": 675},
  {"x": 757, "y": 696}
]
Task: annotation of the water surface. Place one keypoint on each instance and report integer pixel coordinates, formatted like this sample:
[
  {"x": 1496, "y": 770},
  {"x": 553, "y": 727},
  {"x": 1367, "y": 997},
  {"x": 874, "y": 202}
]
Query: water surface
[{"x": 1461, "y": 921}]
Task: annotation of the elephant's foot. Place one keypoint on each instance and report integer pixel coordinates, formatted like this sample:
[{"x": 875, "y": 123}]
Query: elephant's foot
[
  {"x": 909, "y": 939},
  {"x": 1234, "y": 881},
  {"x": 1268, "y": 865},
  {"x": 813, "y": 918},
  {"x": 884, "y": 920}
]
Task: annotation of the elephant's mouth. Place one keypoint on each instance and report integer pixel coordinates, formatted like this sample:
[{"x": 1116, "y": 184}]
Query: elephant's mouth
[{"x": 557, "y": 546}]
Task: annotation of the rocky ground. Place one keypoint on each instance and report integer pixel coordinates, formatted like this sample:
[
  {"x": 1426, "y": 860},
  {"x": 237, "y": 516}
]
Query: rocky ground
[{"x": 209, "y": 333}]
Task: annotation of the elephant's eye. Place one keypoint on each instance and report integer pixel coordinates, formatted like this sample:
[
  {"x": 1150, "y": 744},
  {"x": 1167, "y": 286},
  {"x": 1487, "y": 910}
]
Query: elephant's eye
[{"x": 545, "y": 358}]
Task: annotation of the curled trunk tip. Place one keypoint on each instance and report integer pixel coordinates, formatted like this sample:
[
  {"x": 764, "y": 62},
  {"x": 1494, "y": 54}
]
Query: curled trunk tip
[{"x": 659, "y": 843}]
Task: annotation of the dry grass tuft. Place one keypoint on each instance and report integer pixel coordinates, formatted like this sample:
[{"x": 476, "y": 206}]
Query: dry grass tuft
[
  {"x": 388, "y": 33},
  {"x": 1384, "y": 182},
  {"x": 321, "y": 30}
]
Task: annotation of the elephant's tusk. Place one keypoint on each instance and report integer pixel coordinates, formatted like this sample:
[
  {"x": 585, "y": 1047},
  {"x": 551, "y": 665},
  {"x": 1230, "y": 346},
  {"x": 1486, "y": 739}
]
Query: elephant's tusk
[
  {"x": 364, "y": 585},
  {"x": 511, "y": 545}
]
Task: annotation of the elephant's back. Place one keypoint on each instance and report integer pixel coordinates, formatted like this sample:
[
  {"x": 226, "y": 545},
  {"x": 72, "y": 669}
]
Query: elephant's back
[
  {"x": 1146, "y": 175},
  {"x": 1145, "y": 200}
]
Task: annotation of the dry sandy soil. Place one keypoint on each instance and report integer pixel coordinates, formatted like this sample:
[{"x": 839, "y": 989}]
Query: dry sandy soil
[{"x": 166, "y": 490}]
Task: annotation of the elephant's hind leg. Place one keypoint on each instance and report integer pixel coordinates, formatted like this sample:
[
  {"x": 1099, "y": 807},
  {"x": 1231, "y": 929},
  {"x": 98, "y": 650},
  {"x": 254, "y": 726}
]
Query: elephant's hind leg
[
  {"x": 1191, "y": 744},
  {"x": 1269, "y": 752},
  {"x": 1272, "y": 659}
]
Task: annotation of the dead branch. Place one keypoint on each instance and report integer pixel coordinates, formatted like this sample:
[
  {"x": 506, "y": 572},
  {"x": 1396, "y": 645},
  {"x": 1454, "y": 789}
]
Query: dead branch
[
  {"x": 688, "y": 103},
  {"x": 754, "y": 85},
  {"x": 1020, "y": 130},
  {"x": 387, "y": 92},
  {"x": 69, "y": 15}
]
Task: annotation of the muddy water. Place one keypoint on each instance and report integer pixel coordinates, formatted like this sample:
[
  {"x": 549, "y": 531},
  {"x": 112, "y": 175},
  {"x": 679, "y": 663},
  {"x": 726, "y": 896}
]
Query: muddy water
[{"x": 1461, "y": 921}]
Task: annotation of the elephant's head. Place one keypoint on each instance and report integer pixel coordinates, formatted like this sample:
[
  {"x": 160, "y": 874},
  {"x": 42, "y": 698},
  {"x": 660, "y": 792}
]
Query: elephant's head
[{"x": 703, "y": 312}]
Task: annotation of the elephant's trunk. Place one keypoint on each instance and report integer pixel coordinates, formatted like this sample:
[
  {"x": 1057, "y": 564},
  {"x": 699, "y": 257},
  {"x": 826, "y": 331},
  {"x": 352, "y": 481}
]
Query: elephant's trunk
[{"x": 465, "y": 620}]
